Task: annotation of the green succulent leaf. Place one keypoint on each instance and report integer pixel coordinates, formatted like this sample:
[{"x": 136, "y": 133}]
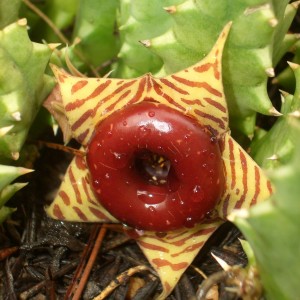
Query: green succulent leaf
[
  {"x": 9, "y": 174},
  {"x": 272, "y": 229},
  {"x": 95, "y": 40},
  {"x": 60, "y": 13},
  {"x": 9, "y": 11},
  {"x": 283, "y": 41},
  {"x": 188, "y": 33},
  {"x": 275, "y": 147},
  {"x": 138, "y": 22},
  {"x": 7, "y": 190},
  {"x": 23, "y": 85}
]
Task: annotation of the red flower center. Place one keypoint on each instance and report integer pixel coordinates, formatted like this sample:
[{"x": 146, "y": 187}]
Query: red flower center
[{"x": 154, "y": 168}]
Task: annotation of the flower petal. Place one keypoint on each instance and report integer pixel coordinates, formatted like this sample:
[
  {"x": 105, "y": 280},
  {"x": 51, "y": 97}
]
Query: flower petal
[
  {"x": 172, "y": 254},
  {"x": 246, "y": 184},
  {"x": 197, "y": 91},
  {"x": 75, "y": 200}
]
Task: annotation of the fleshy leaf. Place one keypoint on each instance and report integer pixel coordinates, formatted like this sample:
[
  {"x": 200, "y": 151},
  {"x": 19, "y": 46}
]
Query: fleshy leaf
[
  {"x": 9, "y": 12},
  {"x": 192, "y": 34},
  {"x": 283, "y": 40},
  {"x": 95, "y": 32},
  {"x": 61, "y": 13},
  {"x": 21, "y": 97},
  {"x": 272, "y": 229},
  {"x": 139, "y": 21},
  {"x": 7, "y": 190},
  {"x": 275, "y": 147},
  {"x": 9, "y": 174}
]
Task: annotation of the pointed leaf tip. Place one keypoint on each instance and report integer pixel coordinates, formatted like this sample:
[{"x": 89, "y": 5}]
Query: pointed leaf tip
[
  {"x": 5, "y": 130},
  {"x": 53, "y": 46},
  {"x": 295, "y": 4},
  {"x": 273, "y": 157},
  {"x": 293, "y": 65},
  {"x": 274, "y": 112},
  {"x": 15, "y": 155},
  {"x": 22, "y": 22},
  {"x": 283, "y": 94},
  {"x": 24, "y": 171},
  {"x": 273, "y": 22},
  {"x": 146, "y": 43},
  {"x": 295, "y": 114},
  {"x": 270, "y": 72},
  {"x": 16, "y": 116},
  {"x": 171, "y": 9},
  {"x": 224, "y": 265}
]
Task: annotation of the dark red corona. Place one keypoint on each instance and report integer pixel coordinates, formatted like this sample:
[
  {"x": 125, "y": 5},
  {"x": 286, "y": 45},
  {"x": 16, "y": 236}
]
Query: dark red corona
[{"x": 154, "y": 168}]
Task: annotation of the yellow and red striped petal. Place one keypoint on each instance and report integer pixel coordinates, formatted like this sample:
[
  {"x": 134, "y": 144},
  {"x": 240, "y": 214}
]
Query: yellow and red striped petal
[
  {"x": 75, "y": 200},
  {"x": 172, "y": 254},
  {"x": 197, "y": 91},
  {"x": 246, "y": 183}
]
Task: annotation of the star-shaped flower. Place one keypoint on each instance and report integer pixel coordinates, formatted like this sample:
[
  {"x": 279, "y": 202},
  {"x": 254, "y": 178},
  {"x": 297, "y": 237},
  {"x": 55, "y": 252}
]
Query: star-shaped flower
[{"x": 196, "y": 91}]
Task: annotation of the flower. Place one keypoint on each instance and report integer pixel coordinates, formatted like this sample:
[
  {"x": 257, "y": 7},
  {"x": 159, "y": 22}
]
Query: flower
[{"x": 196, "y": 91}]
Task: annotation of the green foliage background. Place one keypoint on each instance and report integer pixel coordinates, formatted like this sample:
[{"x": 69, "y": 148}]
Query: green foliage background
[{"x": 130, "y": 38}]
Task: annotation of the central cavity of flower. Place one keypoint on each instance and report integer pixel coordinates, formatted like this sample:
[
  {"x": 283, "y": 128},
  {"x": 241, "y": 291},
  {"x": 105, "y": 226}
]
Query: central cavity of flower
[{"x": 153, "y": 167}]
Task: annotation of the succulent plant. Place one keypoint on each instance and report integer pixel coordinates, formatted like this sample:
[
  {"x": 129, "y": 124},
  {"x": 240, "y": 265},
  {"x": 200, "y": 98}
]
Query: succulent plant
[
  {"x": 275, "y": 147},
  {"x": 279, "y": 150},
  {"x": 197, "y": 92},
  {"x": 257, "y": 41},
  {"x": 133, "y": 38},
  {"x": 23, "y": 88},
  {"x": 21, "y": 97},
  {"x": 7, "y": 190}
]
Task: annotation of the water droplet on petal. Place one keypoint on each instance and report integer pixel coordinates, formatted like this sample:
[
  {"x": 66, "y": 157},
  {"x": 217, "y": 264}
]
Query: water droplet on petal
[
  {"x": 150, "y": 197},
  {"x": 151, "y": 114},
  {"x": 196, "y": 189},
  {"x": 144, "y": 130},
  {"x": 152, "y": 209},
  {"x": 118, "y": 155},
  {"x": 189, "y": 222}
]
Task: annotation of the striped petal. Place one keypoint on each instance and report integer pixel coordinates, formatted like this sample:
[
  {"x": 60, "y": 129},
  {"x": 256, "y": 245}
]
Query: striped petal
[
  {"x": 197, "y": 91},
  {"x": 246, "y": 183},
  {"x": 172, "y": 254},
  {"x": 75, "y": 200}
]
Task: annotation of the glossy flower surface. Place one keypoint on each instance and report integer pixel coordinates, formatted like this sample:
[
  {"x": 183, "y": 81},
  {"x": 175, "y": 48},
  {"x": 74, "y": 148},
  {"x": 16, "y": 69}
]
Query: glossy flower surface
[{"x": 196, "y": 91}]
